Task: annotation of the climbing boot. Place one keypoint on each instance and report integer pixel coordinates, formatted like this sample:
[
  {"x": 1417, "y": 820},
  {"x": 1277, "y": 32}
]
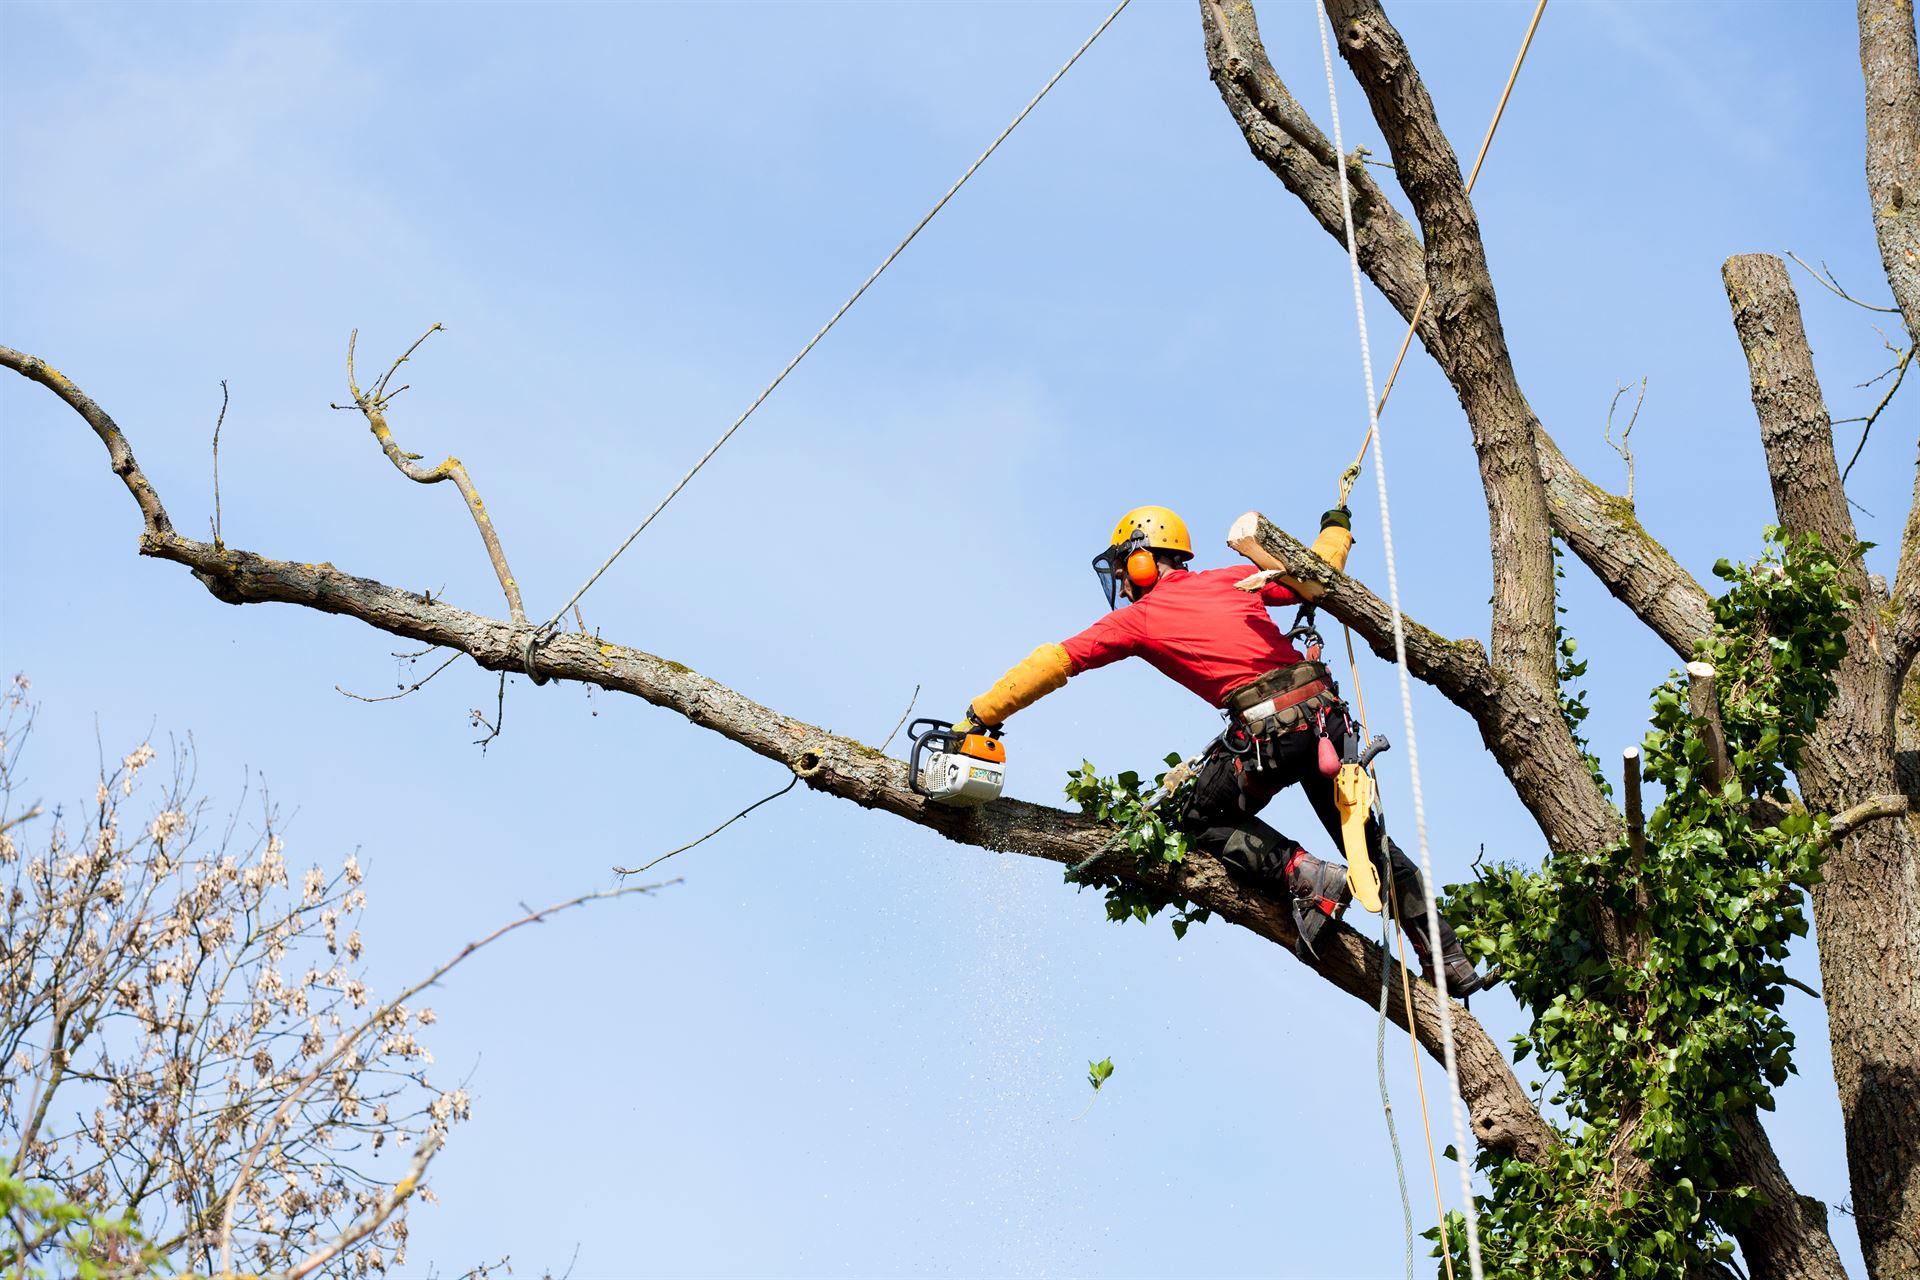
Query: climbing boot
[
  {"x": 1462, "y": 981},
  {"x": 1319, "y": 891}
]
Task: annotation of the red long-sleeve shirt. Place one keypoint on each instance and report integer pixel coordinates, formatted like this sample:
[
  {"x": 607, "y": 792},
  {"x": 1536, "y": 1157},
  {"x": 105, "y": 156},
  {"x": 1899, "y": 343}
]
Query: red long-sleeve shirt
[{"x": 1196, "y": 628}]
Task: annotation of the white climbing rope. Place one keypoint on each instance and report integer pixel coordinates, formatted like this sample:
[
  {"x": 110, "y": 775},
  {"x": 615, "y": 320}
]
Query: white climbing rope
[
  {"x": 814, "y": 341},
  {"x": 1322, "y": 22}
]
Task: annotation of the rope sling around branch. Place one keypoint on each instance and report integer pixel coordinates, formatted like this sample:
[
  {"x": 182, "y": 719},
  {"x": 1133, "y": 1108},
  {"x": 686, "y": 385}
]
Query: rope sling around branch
[{"x": 546, "y": 627}]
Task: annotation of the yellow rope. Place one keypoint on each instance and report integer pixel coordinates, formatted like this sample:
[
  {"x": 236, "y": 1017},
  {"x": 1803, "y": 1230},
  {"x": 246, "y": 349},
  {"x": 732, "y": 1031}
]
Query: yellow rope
[{"x": 1352, "y": 473}]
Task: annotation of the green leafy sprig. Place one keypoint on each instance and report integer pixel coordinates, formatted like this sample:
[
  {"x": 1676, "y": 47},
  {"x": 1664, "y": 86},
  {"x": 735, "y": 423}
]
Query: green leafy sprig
[{"x": 1151, "y": 835}]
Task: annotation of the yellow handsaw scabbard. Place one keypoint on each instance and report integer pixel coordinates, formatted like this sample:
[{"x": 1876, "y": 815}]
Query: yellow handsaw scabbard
[{"x": 1353, "y": 796}]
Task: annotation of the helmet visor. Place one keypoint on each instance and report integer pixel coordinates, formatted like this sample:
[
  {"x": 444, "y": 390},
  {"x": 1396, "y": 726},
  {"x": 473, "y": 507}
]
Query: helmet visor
[{"x": 1110, "y": 566}]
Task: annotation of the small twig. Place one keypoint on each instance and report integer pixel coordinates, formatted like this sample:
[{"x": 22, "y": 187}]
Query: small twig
[
  {"x": 380, "y": 396},
  {"x": 1795, "y": 982},
  {"x": 1872, "y": 809},
  {"x": 372, "y": 405},
  {"x": 1833, "y": 285},
  {"x": 903, "y": 718},
  {"x": 499, "y": 716},
  {"x": 1623, "y": 448},
  {"x": 349, "y": 1038},
  {"x": 11, "y": 823},
  {"x": 412, "y": 688},
  {"x": 1900, "y": 375},
  {"x": 375, "y": 1218},
  {"x": 217, "y": 423},
  {"x": 580, "y": 621},
  {"x": 1912, "y": 1242},
  {"x": 634, "y": 871}
]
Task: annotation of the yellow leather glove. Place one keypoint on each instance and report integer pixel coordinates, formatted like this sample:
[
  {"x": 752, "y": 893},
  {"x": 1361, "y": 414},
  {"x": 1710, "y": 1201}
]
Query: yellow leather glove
[
  {"x": 1029, "y": 680},
  {"x": 1336, "y": 537}
]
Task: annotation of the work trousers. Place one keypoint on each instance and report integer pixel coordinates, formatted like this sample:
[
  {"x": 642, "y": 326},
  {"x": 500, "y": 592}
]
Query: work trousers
[{"x": 1231, "y": 789}]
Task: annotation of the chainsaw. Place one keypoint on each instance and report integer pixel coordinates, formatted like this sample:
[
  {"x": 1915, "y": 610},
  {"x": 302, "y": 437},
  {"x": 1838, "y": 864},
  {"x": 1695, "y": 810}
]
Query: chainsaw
[{"x": 960, "y": 769}]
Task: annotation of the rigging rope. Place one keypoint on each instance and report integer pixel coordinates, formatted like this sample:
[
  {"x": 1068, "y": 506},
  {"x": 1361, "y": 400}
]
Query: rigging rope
[
  {"x": 1380, "y": 1070},
  {"x": 1352, "y": 473},
  {"x": 1389, "y": 917},
  {"x": 1400, "y": 657},
  {"x": 846, "y": 306}
]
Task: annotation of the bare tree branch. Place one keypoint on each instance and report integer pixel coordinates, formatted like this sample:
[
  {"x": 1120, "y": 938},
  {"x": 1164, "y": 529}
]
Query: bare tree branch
[
  {"x": 119, "y": 452},
  {"x": 1600, "y": 528},
  {"x": 1623, "y": 448},
  {"x": 1825, "y": 277},
  {"x": 648, "y": 866},
  {"x": 1794, "y": 427},
  {"x": 388, "y": 1204},
  {"x": 1871, "y": 809},
  {"x": 1899, "y": 372},
  {"x": 373, "y": 405},
  {"x": 1284, "y": 138},
  {"x": 219, "y": 422},
  {"x": 1504, "y": 1117},
  {"x": 1482, "y": 370},
  {"x": 415, "y": 687},
  {"x": 1641, "y": 573}
]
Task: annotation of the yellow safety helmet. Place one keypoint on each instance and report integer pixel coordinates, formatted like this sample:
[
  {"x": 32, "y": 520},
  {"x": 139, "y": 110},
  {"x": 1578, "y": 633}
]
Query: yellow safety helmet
[{"x": 1129, "y": 555}]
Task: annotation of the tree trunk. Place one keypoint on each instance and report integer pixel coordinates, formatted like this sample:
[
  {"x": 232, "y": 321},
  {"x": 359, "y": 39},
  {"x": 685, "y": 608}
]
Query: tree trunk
[{"x": 1867, "y": 906}]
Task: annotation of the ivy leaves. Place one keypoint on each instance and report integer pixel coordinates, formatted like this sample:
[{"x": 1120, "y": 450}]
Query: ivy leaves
[{"x": 1654, "y": 1046}]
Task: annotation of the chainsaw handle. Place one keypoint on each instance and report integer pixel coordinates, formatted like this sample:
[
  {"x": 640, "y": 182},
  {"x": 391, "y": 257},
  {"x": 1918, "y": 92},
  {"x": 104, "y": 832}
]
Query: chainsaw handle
[
  {"x": 937, "y": 732},
  {"x": 1374, "y": 747}
]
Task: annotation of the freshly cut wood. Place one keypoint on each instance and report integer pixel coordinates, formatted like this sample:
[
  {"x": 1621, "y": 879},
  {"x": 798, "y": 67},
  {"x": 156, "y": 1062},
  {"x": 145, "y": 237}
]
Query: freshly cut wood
[{"x": 1244, "y": 537}]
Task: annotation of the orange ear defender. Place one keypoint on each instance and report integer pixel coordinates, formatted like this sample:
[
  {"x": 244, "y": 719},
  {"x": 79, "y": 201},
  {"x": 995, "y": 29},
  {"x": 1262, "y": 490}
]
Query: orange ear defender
[{"x": 1142, "y": 569}]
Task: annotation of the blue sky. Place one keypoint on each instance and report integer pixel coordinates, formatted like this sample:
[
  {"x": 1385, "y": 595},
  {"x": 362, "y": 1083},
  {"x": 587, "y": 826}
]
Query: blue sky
[{"x": 843, "y": 1046}]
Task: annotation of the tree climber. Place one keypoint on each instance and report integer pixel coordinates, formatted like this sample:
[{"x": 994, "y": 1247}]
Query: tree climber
[{"x": 1204, "y": 632}]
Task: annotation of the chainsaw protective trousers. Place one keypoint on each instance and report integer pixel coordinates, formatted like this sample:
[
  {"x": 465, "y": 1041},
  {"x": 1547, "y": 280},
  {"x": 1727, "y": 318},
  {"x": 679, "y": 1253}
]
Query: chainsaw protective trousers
[{"x": 1230, "y": 791}]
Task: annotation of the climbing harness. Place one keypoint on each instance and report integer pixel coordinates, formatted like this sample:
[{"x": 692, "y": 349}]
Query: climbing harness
[
  {"x": 546, "y": 628},
  {"x": 1349, "y": 765}
]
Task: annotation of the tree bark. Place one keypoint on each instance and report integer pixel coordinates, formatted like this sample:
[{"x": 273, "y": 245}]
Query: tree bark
[
  {"x": 1892, "y": 75},
  {"x": 1503, "y": 425},
  {"x": 1788, "y": 1233},
  {"x": 1867, "y": 905},
  {"x": 1888, "y": 65}
]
